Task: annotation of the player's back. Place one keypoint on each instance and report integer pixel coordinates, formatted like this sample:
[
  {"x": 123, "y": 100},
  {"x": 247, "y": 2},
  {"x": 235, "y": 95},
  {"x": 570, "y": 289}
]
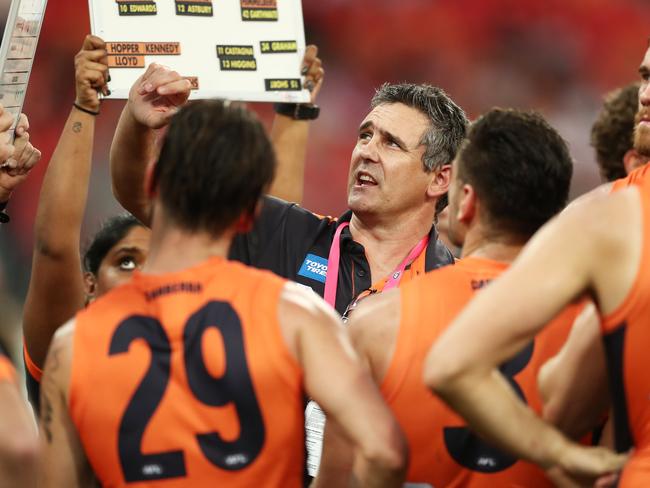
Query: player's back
[
  {"x": 443, "y": 451},
  {"x": 626, "y": 336},
  {"x": 184, "y": 379}
]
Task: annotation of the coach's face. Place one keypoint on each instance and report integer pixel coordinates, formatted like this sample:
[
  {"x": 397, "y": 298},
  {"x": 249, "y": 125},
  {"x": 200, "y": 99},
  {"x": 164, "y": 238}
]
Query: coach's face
[
  {"x": 642, "y": 127},
  {"x": 387, "y": 175}
]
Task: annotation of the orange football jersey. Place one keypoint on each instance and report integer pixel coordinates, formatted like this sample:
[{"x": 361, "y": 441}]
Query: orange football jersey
[
  {"x": 184, "y": 379},
  {"x": 626, "y": 334},
  {"x": 444, "y": 452},
  {"x": 7, "y": 370},
  {"x": 636, "y": 177}
]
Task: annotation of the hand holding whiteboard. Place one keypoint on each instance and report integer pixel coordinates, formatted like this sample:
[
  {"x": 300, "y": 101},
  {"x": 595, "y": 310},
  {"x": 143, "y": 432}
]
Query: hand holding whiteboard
[{"x": 234, "y": 49}]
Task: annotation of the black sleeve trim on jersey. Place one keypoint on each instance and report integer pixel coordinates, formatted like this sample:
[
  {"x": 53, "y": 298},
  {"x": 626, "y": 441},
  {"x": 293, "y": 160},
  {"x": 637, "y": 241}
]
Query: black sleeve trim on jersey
[{"x": 614, "y": 350}]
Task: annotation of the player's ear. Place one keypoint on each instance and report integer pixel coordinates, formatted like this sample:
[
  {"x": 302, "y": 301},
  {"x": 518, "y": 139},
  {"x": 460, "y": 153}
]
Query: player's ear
[
  {"x": 467, "y": 204},
  {"x": 632, "y": 160},
  {"x": 439, "y": 184},
  {"x": 90, "y": 286}
]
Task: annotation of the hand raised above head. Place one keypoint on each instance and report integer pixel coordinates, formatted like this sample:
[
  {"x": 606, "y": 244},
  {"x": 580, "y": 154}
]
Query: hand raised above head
[
  {"x": 91, "y": 73},
  {"x": 156, "y": 96},
  {"x": 312, "y": 69}
]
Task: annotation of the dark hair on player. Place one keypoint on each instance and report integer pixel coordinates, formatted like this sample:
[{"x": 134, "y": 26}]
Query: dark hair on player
[
  {"x": 612, "y": 134},
  {"x": 520, "y": 168},
  {"x": 111, "y": 232},
  {"x": 448, "y": 121},
  {"x": 214, "y": 165}
]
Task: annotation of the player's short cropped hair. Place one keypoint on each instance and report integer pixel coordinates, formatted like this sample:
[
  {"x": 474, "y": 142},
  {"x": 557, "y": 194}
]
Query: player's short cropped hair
[
  {"x": 448, "y": 121},
  {"x": 520, "y": 168},
  {"x": 612, "y": 134},
  {"x": 111, "y": 232},
  {"x": 214, "y": 165}
]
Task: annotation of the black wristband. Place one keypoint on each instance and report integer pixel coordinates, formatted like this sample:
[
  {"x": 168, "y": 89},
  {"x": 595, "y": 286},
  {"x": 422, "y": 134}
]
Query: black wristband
[
  {"x": 297, "y": 111},
  {"x": 85, "y": 110},
  {"x": 4, "y": 218}
]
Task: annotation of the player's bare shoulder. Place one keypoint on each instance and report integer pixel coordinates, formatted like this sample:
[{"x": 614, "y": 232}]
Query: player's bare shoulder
[
  {"x": 608, "y": 217},
  {"x": 375, "y": 317},
  {"x": 59, "y": 356},
  {"x": 600, "y": 219},
  {"x": 596, "y": 193},
  {"x": 301, "y": 308},
  {"x": 374, "y": 327},
  {"x": 64, "y": 334},
  {"x": 297, "y": 299}
]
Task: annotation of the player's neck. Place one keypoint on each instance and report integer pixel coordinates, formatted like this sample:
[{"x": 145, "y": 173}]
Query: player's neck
[
  {"x": 497, "y": 247},
  {"x": 173, "y": 249},
  {"x": 387, "y": 242}
]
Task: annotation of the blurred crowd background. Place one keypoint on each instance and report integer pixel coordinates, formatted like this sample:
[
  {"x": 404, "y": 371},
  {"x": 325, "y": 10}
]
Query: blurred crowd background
[{"x": 555, "y": 56}]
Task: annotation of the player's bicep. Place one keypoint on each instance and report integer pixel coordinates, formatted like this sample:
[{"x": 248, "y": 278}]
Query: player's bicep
[
  {"x": 64, "y": 462},
  {"x": 573, "y": 384},
  {"x": 334, "y": 376},
  {"x": 332, "y": 368},
  {"x": 340, "y": 383}
]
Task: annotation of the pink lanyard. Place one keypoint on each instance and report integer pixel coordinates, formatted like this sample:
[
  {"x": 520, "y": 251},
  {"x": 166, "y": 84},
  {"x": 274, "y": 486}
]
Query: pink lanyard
[{"x": 332, "y": 277}]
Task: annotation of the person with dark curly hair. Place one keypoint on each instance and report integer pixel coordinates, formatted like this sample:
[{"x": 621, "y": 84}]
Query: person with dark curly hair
[{"x": 613, "y": 132}]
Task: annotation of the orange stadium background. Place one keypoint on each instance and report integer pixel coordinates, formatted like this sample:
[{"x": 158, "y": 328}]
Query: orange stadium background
[{"x": 556, "y": 56}]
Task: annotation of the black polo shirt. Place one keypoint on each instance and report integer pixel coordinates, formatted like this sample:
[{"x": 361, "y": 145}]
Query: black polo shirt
[{"x": 295, "y": 243}]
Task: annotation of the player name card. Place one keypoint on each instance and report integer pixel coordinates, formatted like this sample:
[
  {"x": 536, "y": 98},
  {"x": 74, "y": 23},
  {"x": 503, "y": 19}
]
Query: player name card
[
  {"x": 17, "y": 52},
  {"x": 234, "y": 49}
]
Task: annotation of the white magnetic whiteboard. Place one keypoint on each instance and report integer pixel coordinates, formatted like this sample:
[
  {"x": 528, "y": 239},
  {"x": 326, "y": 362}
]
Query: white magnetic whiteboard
[{"x": 233, "y": 49}]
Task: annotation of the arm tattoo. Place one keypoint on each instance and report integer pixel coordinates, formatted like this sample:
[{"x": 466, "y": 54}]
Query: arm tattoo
[
  {"x": 48, "y": 388},
  {"x": 76, "y": 127},
  {"x": 46, "y": 416}
]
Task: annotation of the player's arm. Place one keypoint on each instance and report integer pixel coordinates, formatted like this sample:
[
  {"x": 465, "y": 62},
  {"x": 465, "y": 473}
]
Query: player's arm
[
  {"x": 18, "y": 439},
  {"x": 336, "y": 379},
  {"x": 56, "y": 289},
  {"x": 373, "y": 331},
  {"x": 153, "y": 100},
  {"x": 64, "y": 462},
  {"x": 595, "y": 194},
  {"x": 573, "y": 384},
  {"x": 289, "y": 136},
  {"x": 461, "y": 367}
]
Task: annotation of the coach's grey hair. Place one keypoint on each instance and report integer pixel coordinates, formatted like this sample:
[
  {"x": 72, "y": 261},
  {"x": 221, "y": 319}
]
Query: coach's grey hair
[{"x": 448, "y": 120}]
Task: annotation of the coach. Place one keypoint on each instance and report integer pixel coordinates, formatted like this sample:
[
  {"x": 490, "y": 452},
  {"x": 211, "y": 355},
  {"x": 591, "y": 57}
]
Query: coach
[{"x": 399, "y": 174}]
